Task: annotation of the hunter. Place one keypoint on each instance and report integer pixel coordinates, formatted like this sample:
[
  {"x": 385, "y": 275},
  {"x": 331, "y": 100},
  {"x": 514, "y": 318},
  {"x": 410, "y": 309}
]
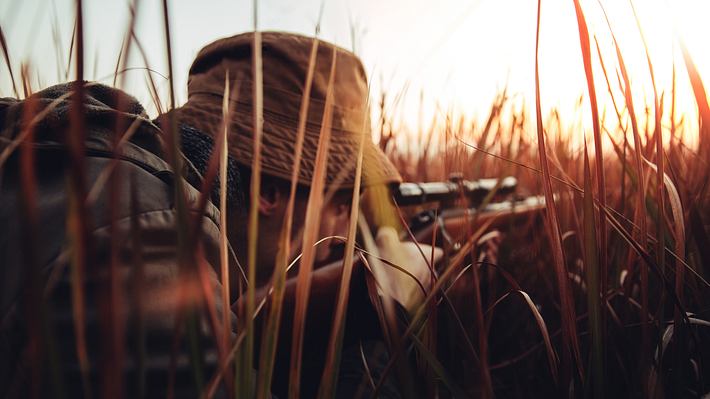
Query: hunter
[
  {"x": 286, "y": 59},
  {"x": 100, "y": 295}
]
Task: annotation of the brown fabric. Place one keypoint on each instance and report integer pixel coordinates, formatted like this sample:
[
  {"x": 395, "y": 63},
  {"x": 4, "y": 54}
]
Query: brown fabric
[
  {"x": 148, "y": 302},
  {"x": 285, "y": 59}
]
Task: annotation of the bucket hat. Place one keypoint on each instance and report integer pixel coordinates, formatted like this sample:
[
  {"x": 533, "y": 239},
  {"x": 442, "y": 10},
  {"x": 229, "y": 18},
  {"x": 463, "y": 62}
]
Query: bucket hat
[{"x": 285, "y": 60}]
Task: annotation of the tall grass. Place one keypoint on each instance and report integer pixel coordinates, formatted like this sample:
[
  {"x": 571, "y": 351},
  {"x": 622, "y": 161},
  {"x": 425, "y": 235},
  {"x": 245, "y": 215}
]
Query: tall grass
[
  {"x": 570, "y": 344},
  {"x": 310, "y": 235},
  {"x": 616, "y": 309}
]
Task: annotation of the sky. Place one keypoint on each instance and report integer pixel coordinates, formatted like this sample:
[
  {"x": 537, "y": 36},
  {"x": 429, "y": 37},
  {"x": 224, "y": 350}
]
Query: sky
[{"x": 429, "y": 57}]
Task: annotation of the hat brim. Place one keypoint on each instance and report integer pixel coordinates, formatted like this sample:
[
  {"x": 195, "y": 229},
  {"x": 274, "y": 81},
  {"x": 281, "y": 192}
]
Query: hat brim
[{"x": 279, "y": 136}]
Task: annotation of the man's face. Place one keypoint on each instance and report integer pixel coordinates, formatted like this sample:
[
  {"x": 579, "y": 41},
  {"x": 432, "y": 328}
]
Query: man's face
[{"x": 334, "y": 221}]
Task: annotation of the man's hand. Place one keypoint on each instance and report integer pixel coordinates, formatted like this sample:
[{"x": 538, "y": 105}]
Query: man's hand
[{"x": 412, "y": 257}]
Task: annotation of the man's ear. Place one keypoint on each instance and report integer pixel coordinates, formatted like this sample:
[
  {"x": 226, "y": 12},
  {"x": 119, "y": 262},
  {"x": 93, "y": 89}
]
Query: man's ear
[{"x": 270, "y": 200}]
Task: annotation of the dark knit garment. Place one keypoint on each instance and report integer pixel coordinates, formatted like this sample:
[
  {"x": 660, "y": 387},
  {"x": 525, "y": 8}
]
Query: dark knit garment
[{"x": 197, "y": 148}]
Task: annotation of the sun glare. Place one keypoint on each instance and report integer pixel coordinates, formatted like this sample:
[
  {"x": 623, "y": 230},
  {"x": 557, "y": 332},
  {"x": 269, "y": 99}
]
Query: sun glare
[
  {"x": 484, "y": 55},
  {"x": 430, "y": 61}
]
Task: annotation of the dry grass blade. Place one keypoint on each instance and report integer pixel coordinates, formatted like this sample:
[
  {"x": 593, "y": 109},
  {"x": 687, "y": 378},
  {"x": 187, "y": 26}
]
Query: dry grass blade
[
  {"x": 270, "y": 338},
  {"x": 700, "y": 98},
  {"x": 593, "y": 275},
  {"x": 622, "y": 127},
  {"x": 608, "y": 87},
  {"x": 118, "y": 62},
  {"x": 598, "y": 150},
  {"x": 332, "y": 362},
  {"x": 6, "y": 55},
  {"x": 71, "y": 51},
  {"x": 186, "y": 247},
  {"x": 32, "y": 284},
  {"x": 570, "y": 341},
  {"x": 173, "y": 135},
  {"x": 151, "y": 82},
  {"x": 245, "y": 362},
  {"x": 660, "y": 157},
  {"x": 479, "y": 324},
  {"x": 640, "y": 213},
  {"x": 223, "y": 243},
  {"x": 310, "y": 234},
  {"x": 679, "y": 232},
  {"x": 551, "y": 358},
  {"x": 649, "y": 261},
  {"x": 493, "y": 115},
  {"x": 676, "y": 210},
  {"x": 56, "y": 37},
  {"x": 77, "y": 221},
  {"x": 568, "y": 183},
  {"x": 122, "y": 59},
  {"x": 110, "y": 298}
]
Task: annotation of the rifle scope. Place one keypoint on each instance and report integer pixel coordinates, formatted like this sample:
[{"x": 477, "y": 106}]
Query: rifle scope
[{"x": 475, "y": 191}]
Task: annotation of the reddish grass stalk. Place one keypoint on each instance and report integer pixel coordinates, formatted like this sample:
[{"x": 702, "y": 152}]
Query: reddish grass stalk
[
  {"x": 122, "y": 59},
  {"x": 312, "y": 223},
  {"x": 598, "y": 151},
  {"x": 593, "y": 277},
  {"x": 332, "y": 362},
  {"x": 111, "y": 318},
  {"x": 570, "y": 343},
  {"x": 640, "y": 211},
  {"x": 6, "y": 54},
  {"x": 622, "y": 154},
  {"x": 33, "y": 293},
  {"x": 218, "y": 156},
  {"x": 223, "y": 243},
  {"x": 137, "y": 288},
  {"x": 186, "y": 247},
  {"x": 657, "y": 134},
  {"x": 152, "y": 86},
  {"x": 246, "y": 361},
  {"x": 701, "y": 100},
  {"x": 271, "y": 332},
  {"x": 77, "y": 221}
]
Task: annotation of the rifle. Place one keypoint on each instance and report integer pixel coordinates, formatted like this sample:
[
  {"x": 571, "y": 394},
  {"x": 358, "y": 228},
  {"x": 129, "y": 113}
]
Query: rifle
[{"x": 453, "y": 208}]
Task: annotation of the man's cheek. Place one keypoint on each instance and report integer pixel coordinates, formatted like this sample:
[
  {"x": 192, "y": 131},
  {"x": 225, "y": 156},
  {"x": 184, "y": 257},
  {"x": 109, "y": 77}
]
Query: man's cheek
[{"x": 327, "y": 229}]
